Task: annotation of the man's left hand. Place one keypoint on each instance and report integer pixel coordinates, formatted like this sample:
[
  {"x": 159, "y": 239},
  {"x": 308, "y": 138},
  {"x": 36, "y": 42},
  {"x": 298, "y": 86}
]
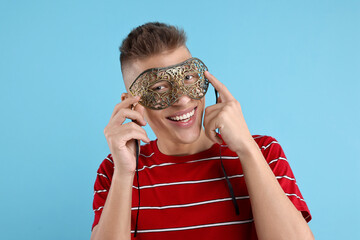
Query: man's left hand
[{"x": 226, "y": 116}]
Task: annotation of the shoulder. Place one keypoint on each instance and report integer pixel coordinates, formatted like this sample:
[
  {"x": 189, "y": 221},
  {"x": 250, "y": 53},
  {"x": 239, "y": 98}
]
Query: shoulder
[
  {"x": 147, "y": 150},
  {"x": 107, "y": 165},
  {"x": 106, "y": 168},
  {"x": 264, "y": 140},
  {"x": 107, "y": 162},
  {"x": 269, "y": 146}
]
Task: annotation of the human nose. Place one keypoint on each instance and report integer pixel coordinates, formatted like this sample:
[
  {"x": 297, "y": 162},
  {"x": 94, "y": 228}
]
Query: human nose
[{"x": 182, "y": 100}]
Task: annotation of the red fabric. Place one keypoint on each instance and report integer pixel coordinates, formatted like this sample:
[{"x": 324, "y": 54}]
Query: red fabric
[{"x": 188, "y": 183}]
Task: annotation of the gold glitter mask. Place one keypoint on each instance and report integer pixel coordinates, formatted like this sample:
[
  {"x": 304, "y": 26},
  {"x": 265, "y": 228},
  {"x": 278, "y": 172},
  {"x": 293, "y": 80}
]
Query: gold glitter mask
[{"x": 159, "y": 88}]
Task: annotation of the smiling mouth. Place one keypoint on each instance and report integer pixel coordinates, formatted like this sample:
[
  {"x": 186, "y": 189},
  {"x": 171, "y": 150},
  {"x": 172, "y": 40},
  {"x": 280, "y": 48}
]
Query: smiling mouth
[{"x": 184, "y": 117}]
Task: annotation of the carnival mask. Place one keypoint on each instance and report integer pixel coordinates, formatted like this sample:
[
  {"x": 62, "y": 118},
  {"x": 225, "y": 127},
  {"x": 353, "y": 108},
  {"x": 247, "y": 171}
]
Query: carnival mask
[{"x": 159, "y": 88}]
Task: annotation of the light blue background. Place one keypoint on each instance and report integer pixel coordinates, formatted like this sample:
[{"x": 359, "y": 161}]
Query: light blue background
[{"x": 293, "y": 66}]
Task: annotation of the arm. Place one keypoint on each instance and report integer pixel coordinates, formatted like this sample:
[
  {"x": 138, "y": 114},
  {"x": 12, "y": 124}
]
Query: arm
[
  {"x": 113, "y": 225},
  {"x": 115, "y": 220},
  {"x": 274, "y": 214}
]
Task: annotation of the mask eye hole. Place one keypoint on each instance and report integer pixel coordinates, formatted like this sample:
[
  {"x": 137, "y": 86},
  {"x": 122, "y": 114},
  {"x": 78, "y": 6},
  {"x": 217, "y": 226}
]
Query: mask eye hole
[
  {"x": 161, "y": 86},
  {"x": 190, "y": 78}
]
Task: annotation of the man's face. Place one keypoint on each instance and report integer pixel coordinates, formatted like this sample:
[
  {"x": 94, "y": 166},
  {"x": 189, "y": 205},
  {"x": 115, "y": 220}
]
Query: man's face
[{"x": 181, "y": 122}]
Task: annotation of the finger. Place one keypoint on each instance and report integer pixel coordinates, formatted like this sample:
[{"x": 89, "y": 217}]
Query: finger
[
  {"x": 130, "y": 131},
  {"x": 139, "y": 108},
  {"x": 210, "y": 126},
  {"x": 125, "y": 113},
  {"x": 224, "y": 93},
  {"x": 134, "y": 131},
  {"x": 212, "y": 134},
  {"x": 213, "y": 108},
  {"x": 210, "y": 116},
  {"x": 135, "y": 135},
  {"x": 220, "y": 99},
  {"x": 127, "y": 103}
]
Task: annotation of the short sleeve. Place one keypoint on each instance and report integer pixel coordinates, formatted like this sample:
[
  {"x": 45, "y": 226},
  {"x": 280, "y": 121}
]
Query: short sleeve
[
  {"x": 102, "y": 186},
  {"x": 280, "y": 166}
]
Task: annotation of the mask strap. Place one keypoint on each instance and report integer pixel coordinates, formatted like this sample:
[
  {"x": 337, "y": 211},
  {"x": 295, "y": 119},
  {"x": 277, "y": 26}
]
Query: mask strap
[
  {"x": 137, "y": 149},
  {"x": 223, "y": 169}
]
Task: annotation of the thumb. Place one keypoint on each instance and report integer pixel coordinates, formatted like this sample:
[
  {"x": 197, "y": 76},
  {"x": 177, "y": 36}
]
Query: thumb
[{"x": 141, "y": 109}]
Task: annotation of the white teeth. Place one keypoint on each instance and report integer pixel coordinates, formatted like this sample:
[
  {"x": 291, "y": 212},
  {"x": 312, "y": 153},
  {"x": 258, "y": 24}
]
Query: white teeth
[
  {"x": 184, "y": 116},
  {"x": 186, "y": 120}
]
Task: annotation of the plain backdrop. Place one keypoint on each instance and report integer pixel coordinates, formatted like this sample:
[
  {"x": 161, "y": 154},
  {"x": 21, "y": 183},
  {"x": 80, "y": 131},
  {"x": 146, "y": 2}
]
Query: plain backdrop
[{"x": 292, "y": 65}]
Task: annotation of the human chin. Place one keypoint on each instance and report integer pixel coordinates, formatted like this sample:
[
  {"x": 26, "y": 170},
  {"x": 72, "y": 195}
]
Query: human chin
[
  {"x": 185, "y": 124},
  {"x": 188, "y": 136}
]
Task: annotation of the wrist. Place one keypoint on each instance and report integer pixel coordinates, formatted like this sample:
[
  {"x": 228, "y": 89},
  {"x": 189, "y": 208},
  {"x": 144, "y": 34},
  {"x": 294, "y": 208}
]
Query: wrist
[
  {"x": 118, "y": 173},
  {"x": 249, "y": 150}
]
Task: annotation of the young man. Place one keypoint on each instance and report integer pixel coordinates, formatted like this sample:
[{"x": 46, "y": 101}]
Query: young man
[{"x": 184, "y": 191}]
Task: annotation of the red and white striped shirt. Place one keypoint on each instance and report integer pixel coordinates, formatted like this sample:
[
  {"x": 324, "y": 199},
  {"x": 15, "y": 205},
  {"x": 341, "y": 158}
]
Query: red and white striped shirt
[{"x": 187, "y": 197}]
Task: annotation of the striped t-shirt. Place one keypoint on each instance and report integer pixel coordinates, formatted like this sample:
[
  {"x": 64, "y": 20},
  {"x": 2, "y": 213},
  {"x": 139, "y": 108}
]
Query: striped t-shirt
[{"x": 187, "y": 197}]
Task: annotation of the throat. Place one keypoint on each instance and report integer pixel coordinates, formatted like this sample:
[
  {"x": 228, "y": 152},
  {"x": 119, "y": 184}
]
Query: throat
[{"x": 202, "y": 143}]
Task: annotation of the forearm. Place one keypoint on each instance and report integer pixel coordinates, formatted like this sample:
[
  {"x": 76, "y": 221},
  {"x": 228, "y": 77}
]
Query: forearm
[
  {"x": 274, "y": 214},
  {"x": 115, "y": 220}
]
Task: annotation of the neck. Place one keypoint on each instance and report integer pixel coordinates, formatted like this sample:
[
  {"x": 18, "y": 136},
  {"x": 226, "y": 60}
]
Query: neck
[{"x": 181, "y": 149}]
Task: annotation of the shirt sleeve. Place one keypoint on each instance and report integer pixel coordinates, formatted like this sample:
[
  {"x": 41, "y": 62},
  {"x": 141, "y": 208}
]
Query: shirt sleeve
[
  {"x": 279, "y": 164},
  {"x": 102, "y": 186}
]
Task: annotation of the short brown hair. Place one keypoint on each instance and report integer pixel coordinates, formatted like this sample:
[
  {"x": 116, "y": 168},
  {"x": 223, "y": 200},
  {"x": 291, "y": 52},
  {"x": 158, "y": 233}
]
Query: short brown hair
[{"x": 149, "y": 39}]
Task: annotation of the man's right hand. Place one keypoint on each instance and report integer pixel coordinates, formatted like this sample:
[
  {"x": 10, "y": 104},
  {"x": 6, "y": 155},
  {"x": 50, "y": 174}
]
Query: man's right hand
[{"x": 121, "y": 137}]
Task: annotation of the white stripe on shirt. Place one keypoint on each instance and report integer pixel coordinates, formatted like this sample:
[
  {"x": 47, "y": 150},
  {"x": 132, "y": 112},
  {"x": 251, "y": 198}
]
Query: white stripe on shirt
[
  {"x": 98, "y": 208},
  {"x": 265, "y": 147},
  {"x": 189, "y": 204},
  {"x": 293, "y": 194},
  {"x": 275, "y": 160},
  {"x": 287, "y": 177},
  {"x": 103, "y": 175},
  {"x": 259, "y": 136},
  {"x": 193, "y": 227},
  {"x": 148, "y": 155},
  {"x": 109, "y": 160},
  {"x": 100, "y": 191},
  {"x": 192, "y": 161},
  {"x": 187, "y": 182}
]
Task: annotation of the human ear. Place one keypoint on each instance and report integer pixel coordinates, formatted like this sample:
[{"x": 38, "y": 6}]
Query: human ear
[{"x": 124, "y": 96}]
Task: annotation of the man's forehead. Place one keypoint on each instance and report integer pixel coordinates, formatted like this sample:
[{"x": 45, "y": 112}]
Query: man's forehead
[
  {"x": 161, "y": 65},
  {"x": 177, "y": 67}
]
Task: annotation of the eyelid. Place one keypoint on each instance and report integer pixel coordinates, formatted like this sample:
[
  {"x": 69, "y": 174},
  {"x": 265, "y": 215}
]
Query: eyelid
[
  {"x": 193, "y": 74},
  {"x": 165, "y": 85}
]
